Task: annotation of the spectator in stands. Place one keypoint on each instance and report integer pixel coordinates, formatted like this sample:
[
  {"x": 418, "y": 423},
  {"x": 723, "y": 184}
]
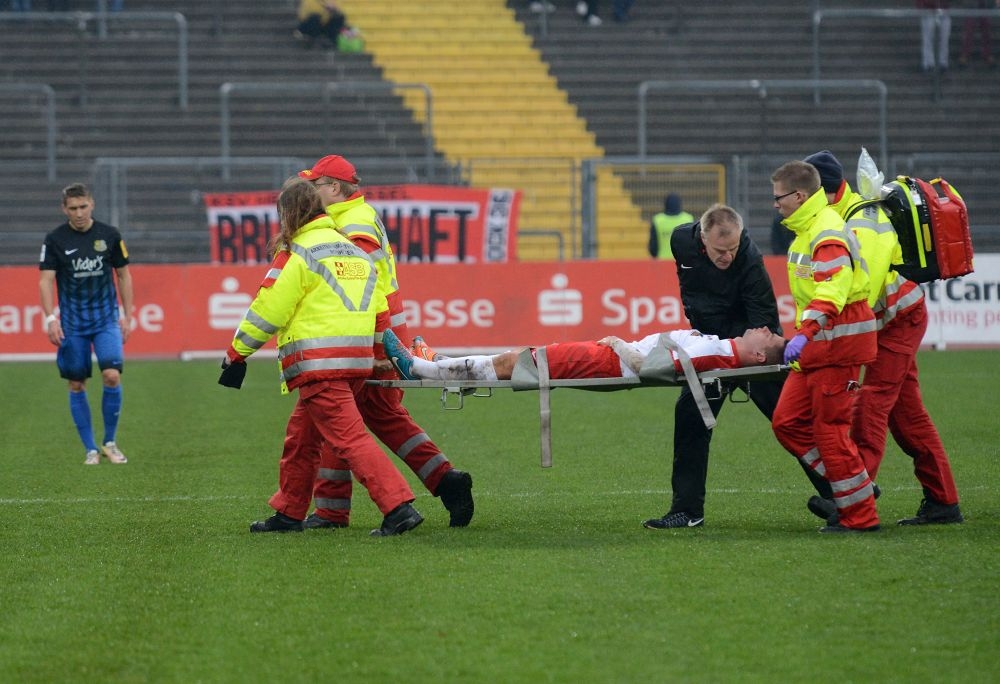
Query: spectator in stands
[
  {"x": 781, "y": 237},
  {"x": 587, "y": 9},
  {"x": 969, "y": 30},
  {"x": 935, "y": 16},
  {"x": 318, "y": 19},
  {"x": 621, "y": 9},
  {"x": 539, "y": 6},
  {"x": 662, "y": 225}
]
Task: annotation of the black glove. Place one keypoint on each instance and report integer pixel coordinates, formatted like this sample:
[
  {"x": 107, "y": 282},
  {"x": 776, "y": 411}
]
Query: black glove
[{"x": 233, "y": 373}]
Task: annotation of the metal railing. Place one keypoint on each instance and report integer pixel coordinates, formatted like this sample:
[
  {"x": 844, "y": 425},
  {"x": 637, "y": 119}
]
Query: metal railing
[
  {"x": 762, "y": 88},
  {"x": 476, "y": 169},
  {"x": 650, "y": 166},
  {"x": 81, "y": 19},
  {"x": 328, "y": 88},
  {"x": 553, "y": 234},
  {"x": 111, "y": 176},
  {"x": 819, "y": 15},
  {"x": 50, "y": 118}
]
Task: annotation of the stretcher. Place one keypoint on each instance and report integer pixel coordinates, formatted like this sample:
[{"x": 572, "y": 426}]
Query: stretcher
[{"x": 658, "y": 370}]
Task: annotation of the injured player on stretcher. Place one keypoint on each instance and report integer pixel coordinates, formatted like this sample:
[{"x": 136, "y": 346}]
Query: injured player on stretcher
[{"x": 610, "y": 357}]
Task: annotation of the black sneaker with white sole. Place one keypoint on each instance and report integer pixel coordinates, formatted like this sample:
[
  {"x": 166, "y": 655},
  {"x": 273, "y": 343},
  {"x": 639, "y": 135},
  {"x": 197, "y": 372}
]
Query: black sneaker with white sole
[{"x": 674, "y": 521}]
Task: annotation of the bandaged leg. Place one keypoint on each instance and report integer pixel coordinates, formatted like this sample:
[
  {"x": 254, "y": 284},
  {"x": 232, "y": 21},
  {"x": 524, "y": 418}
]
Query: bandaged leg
[{"x": 462, "y": 368}]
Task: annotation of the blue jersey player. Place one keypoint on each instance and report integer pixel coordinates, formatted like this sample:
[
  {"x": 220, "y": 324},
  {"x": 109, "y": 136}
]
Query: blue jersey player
[{"x": 79, "y": 260}]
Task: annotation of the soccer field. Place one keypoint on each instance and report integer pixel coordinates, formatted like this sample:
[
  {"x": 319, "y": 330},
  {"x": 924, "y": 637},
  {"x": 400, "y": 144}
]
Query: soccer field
[{"x": 147, "y": 573}]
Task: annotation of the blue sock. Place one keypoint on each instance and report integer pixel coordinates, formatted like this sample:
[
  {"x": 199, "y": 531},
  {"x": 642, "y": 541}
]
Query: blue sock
[
  {"x": 80, "y": 410},
  {"x": 111, "y": 407}
]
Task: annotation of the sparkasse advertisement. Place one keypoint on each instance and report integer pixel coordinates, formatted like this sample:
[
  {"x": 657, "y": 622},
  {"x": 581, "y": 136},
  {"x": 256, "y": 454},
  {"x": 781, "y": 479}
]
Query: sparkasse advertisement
[{"x": 184, "y": 310}]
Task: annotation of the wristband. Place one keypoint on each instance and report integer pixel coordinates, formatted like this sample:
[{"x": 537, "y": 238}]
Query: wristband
[{"x": 50, "y": 319}]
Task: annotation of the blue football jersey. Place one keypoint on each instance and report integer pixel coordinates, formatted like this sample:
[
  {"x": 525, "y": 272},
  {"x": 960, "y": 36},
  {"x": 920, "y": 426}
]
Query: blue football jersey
[{"x": 84, "y": 264}]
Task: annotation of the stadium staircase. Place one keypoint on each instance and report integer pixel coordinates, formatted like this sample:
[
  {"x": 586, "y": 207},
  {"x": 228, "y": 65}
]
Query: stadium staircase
[
  {"x": 601, "y": 68},
  {"x": 498, "y": 112},
  {"x": 118, "y": 98}
]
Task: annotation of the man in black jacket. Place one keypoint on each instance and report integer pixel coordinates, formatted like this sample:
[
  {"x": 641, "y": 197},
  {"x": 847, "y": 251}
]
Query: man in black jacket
[{"x": 725, "y": 290}]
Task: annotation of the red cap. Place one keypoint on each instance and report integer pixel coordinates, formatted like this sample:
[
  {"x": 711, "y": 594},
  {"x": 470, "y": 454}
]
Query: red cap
[{"x": 332, "y": 166}]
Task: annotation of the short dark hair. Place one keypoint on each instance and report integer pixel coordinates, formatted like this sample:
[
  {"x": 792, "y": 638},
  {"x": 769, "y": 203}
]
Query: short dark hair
[
  {"x": 798, "y": 175},
  {"x": 75, "y": 190}
]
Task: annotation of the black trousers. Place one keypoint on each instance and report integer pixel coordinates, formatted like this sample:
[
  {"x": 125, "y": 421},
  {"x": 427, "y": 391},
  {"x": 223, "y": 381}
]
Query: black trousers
[{"x": 692, "y": 440}]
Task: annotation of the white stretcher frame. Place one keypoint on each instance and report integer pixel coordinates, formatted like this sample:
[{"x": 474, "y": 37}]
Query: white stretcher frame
[{"x": 531, "y": 373}]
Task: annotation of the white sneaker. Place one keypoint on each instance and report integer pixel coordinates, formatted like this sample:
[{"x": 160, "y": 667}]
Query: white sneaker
[
  {"x": 594, "y": 20},
  {"x": 581, "y": 8},
  {"x": 93, "y": 458},
  {"x": 113, "y": 453}
]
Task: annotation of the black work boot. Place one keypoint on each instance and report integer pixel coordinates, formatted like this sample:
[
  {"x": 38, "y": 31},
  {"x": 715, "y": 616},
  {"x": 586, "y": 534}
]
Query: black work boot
[
  {"x": 316, "y": 521},
  {"x": 455, "y": 490},
  {"x": 400, "y": 519},
  {"x": 279, "y": 522},
  {"x": 933, "y": 513}
]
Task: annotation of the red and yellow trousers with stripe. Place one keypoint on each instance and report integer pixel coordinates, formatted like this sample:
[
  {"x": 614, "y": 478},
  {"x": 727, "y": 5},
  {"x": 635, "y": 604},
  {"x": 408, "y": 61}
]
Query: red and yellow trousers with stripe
[
  {"x": 383, "y": 413},
  {"x": 326, "y": 415},
  {"x": 813, "y": 422},
  {"x": 890, "y": 400}
]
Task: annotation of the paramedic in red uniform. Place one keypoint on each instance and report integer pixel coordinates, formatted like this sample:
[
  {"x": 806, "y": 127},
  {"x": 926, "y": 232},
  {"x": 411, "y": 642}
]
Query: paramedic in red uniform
[
  {"x": 319, "y": 299},
  {"x": 381, "y": 407},
  {"x": 890, "y": 398},
  {"x": 835, "y": 335}
]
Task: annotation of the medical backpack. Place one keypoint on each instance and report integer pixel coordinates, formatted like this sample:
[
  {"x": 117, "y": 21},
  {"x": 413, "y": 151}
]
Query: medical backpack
[{"x": 932, "y": 223}]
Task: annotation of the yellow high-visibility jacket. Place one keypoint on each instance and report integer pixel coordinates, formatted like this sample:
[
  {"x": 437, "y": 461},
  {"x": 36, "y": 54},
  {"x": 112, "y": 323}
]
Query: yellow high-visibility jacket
[
  {"x": 663, "y": 225},
  {"x": 360, "y": 222},
  {"x": 320, "y": 299},
  {"x": 890, "y": 293},
  {"x": 830, "y": 287}
]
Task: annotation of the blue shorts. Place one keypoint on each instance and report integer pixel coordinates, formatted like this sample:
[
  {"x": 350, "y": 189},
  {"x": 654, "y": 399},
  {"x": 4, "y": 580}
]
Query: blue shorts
[{"x": 73, "y": 357}]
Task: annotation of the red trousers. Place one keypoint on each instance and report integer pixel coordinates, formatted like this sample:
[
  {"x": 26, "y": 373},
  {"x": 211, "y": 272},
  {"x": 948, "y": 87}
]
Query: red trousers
[
  {"x": 813, "y": 422},
  {"x": 890, "y": 400},
  {"x": 384, "y": 414},
  {"x": 326, "y": 414}
]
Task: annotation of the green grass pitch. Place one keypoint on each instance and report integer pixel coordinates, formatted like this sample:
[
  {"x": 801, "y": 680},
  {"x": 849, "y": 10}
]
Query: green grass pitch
[{"x": 147, "y": 573}]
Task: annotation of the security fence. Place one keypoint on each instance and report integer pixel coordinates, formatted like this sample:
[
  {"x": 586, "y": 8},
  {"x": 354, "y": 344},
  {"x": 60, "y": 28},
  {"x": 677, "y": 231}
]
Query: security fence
[{"x": 159, "y": 199}]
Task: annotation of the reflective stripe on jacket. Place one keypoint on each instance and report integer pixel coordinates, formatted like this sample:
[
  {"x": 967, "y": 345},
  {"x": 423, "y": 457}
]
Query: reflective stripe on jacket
[
  {"x": 830, "y": 287},
  {"x": 320, "y": 300},
  {"x": 891, "y": 294},
  {"x": 360, "y": 222}
]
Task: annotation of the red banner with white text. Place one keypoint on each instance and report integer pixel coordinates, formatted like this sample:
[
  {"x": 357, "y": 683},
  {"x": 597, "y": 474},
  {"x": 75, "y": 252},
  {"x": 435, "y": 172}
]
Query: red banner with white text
[
  {"x": 440, "y": 224},
  {"x": 185, "y": 309}
]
